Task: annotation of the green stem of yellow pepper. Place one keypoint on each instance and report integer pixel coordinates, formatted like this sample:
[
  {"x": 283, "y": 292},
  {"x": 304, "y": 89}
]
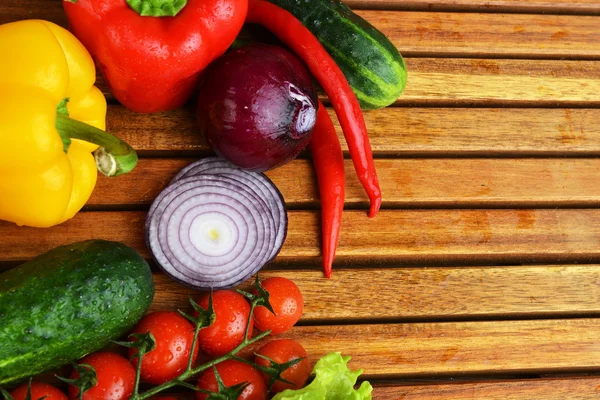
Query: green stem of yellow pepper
[{"x": 113, "y": 157}]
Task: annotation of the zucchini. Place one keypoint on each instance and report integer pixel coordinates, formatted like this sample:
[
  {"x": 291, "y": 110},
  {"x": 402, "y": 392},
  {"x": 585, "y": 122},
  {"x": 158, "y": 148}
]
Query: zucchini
[
  {"x": 371, "y": 63},
  {"x": 67, "y": 303}
]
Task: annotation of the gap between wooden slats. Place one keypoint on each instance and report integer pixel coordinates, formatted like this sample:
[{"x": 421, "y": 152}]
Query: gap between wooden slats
[
  {"x": 418, "y": 236},
  {"x": 405, "y": 183},
  {"x": 442, "y": 294},
  {"x": 434, "y": 33},
  {"x": 575, "y": 7},
  {"x": 546, "y": 389},
  {"x": 401, "y": 132}
]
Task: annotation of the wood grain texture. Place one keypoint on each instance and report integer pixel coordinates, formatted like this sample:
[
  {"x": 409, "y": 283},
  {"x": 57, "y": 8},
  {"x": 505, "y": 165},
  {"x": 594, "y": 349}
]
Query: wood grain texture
[
  {"x": 507, "y": 82},
  {"x": 399, "y": 131},
  {"x": 458, "y": 236},
  {"x": 434, "y": 33},
  {"x": 547, "y": 389},
  {"x": 453, "y": 348},
  {"x": 428, "y": 293},
  {"x": 411, "y": 183},
  {"x": 492, "y": 35},
  {"x": 576, "y": 7}
]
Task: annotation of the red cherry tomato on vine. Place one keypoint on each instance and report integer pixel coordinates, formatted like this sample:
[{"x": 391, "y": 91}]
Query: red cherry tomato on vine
[
  {"x": 116, "y": 377},
  {"x": 287, "y": 302},
  {"x": 282, "y": 351},
  {"x": 233, "y": 372},
  {"x": 38, "y": 390},
  {"x": 174, "y": 335},
  {"x": 227, "y": 332}
]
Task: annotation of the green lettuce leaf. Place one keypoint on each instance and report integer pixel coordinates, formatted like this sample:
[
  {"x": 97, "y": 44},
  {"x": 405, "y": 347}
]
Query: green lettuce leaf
[{"x": 333, "y": 381}]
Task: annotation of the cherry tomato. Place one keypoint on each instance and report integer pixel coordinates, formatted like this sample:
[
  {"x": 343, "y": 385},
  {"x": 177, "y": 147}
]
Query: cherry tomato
[
  {"x": 287, "y": 302},
  {"x": 38, "y": 390},
  {"x": 174, "y": 335},
  {"x": 282, "y": 351},
  {"x": 233, "y": 372},
  {"x": 116, "y": 377},
  {"x": 232, "y": 312}
]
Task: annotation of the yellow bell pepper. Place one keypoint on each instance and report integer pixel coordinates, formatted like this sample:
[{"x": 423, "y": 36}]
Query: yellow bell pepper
[{"x": 52, "y": 119}]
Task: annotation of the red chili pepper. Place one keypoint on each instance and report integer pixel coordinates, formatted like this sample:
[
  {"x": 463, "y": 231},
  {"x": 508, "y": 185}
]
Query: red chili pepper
[
  {"x": 295, "y": 35},
  {"x": 152, "y": 63},
  {"x": 328, "y": 160}
]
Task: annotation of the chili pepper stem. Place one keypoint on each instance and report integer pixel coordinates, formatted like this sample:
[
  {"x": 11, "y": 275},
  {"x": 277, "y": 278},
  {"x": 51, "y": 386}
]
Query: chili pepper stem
[{"x": 114, "y": 157}]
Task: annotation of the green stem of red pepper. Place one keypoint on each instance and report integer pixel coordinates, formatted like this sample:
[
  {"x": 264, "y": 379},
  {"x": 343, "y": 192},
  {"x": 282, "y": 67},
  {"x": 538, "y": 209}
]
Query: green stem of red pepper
[
  {"x": 295, "y": 35},
  {"x": 328, "y": 160}
]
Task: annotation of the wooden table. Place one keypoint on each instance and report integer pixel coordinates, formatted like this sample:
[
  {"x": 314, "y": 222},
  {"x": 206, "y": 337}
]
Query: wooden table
[{"x": 478, "y": 279}]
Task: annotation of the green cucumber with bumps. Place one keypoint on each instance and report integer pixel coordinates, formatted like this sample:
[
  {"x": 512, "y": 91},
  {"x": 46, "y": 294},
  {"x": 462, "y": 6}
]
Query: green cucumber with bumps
[
  {"x": 69, "y": 302},
  {"x": 372, "y": 64}
]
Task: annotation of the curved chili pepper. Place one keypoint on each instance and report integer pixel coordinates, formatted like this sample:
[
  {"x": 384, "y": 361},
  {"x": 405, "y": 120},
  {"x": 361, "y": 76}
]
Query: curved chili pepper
[
  {"x": 295, "y": 35},
  {"x": 328, "y": 160}
]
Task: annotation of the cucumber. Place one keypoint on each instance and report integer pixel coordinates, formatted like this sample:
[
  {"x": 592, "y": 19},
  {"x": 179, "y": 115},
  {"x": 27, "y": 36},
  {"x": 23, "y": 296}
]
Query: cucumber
[
  {"x": 67, "y": 303},
  {"x": 371, "y": 63}
]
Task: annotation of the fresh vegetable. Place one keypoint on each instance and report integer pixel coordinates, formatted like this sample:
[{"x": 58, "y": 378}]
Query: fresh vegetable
[
  {"x": 291, "y": 31},
  {"x": 371, "y": 63},
  {"x": 38, "y": 390},
  {"x": 51, "y": 118},
  {"x": 227, "y": 331},
  {"x": 333, "y": 381},
  {"x": 69, "y": 302},
  {"x": 152, "y": 63},
  {"x": 328, "y": 160},
  {"x": 229, "y": 224},
  {"x": 287, "y": 303},
  {"x": 115, "y": 377},
  {"x": 257, "y": 107},
  {"x": 283, "y": 351},
  {"x": 201, "y": 318},
  {"x": 233, "y": 373},
  {"x": 173, "y": 335}
]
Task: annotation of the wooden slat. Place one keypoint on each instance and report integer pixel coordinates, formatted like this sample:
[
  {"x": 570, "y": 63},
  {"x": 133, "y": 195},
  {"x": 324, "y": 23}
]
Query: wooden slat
[
  {"x": 429, "y": 293},
  {"x": 492, "y": 35},
  {"x": 405, "y": 183},
  {"x": 507, "y": 82},
  {"x": 403, "y": 131},
  {"x": 547, "y": 389},
  {"x": 460, "y": 236},
  {"x": 452, "y": 348},
  {"x": 434, "y": 33},
  {"x": 578, "y": 7}
]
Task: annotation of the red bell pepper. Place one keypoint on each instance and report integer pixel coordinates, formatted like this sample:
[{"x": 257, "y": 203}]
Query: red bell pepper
[{"x": 151, "y": 52}]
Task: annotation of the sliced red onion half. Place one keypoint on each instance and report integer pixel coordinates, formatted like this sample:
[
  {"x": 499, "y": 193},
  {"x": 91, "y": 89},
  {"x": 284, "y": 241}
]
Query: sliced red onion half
[
  {"x": 262, "y": 185},
  {"x": 215, "y": 230}
]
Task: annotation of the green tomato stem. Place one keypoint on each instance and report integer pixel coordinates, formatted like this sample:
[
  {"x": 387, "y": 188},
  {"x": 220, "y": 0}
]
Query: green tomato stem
[{"x": 138, "y": 371}]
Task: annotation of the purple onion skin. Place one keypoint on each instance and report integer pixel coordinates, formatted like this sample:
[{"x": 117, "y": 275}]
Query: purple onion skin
[{"x": 257, "y": 107}]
